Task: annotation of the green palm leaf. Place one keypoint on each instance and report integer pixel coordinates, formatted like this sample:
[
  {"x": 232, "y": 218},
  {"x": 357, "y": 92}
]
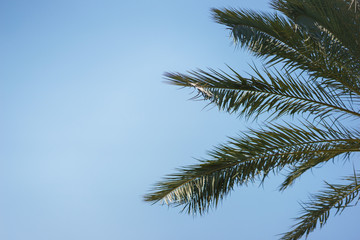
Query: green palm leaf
[
  {"x": 277, "y": 93},
  {"x": 280, "y": 40},
  {"x": 317, "y": 211},
  {"x": 248, "y": 158},
  {"x": 316, "y": 44},
  {"x": 337, "y": 17}
]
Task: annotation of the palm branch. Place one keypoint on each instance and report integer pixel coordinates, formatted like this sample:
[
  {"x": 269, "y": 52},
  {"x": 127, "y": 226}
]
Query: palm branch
[
  {"x": 269, "y": 92},
  {"x": 250, "y": 157},
  {"x": 285, "y": 40},
  {"x": 311, "y": 54},
  {"x": 315, "y": 213}
]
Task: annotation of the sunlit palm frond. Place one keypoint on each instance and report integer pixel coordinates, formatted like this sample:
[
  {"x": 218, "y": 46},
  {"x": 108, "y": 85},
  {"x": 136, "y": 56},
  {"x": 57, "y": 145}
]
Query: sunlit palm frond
[
  {"x": 280, "y": 40},
  {"x": 317, "y": 211},
  {"x": 197, "y": 188},
  {"x": 266, "y": 35},
  {"x": 337, "y": 23},
  {"x": 300, "y": 168},
  {"x": 274, "y": 93},
  {"x": 336, "y": 16},
  {"x": 316, "y": 44},
  {"x": 248, "y": 158}
]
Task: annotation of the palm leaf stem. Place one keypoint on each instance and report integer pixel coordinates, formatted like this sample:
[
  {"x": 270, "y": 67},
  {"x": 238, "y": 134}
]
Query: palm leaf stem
[
  {"x": 310, "y": 101},
  {"x": 187, "y": 181},
  {"x": 270, "y": 93}
]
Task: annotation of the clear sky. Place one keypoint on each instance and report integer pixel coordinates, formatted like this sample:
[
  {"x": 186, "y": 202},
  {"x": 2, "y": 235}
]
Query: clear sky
[{"x": 87, "y": 124}]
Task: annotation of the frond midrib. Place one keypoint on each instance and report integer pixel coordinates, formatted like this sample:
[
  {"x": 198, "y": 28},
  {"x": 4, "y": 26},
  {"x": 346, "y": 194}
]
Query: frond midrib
[
  {"x": 252, "y": 159},
  {"x": 294, "y": 97}
]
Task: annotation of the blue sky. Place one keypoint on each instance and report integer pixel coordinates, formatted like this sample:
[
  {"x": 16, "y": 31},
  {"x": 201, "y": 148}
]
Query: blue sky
[{"x": 88, "y": 125}]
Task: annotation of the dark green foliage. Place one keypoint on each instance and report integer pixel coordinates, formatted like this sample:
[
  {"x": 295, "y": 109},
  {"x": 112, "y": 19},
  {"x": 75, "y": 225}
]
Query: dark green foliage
[
  {"x": 276, "y": 93},
  {"x": 316, "y": 43},
  {"x": 317, "y": 211}
]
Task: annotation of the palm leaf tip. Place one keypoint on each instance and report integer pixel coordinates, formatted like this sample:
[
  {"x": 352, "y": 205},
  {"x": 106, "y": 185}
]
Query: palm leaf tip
[
  {"x": 198, "y": 188},
  {"x": 317, "y": 211}
]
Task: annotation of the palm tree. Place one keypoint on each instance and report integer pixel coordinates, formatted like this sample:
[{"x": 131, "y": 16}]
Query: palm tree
[{"x": 311, "y": 71}]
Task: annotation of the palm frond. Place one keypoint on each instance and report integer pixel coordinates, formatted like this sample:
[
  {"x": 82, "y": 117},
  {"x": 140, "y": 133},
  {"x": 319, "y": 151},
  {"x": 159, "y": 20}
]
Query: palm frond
[
  {"x": 275, "y": 93},
  {"x": 266, "y": 35},
  {"x": 336, "y": 16},
  {"x": 279, "y": 40},
  {"x": 298, "y": 169},
  {"x": 317, "y": 45},
  {"x": 246, "y": 159},
  {"x": 338, "y": 44},
  {"x": 317, "y": 211}
]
